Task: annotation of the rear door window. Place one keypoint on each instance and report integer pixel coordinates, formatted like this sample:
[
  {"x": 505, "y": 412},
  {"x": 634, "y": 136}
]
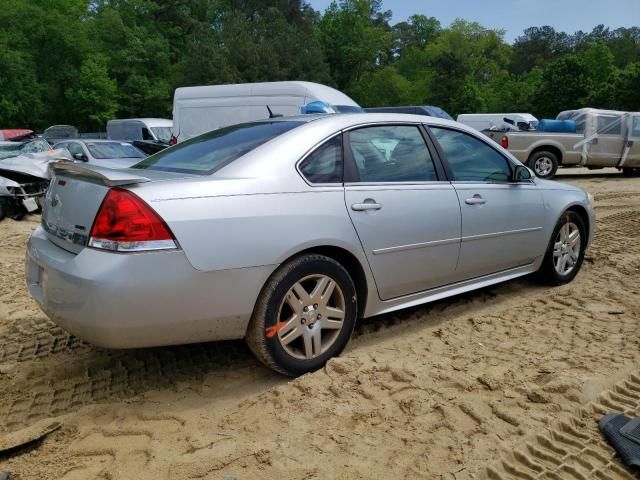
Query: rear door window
[
  {"x": 391, "y": 153},
  {"x": 211, "y": 151}
]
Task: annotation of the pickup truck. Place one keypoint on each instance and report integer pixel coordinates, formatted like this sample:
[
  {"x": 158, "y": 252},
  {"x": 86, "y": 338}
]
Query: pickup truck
[{"x": 603, "y": 138}]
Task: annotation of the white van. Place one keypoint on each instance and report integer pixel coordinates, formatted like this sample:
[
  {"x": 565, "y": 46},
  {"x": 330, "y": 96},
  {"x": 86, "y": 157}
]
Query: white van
[
  {"x": 198, "y": 110},
  {"x": 132, "y": 129},
  {"x": 496, "y": 121}
]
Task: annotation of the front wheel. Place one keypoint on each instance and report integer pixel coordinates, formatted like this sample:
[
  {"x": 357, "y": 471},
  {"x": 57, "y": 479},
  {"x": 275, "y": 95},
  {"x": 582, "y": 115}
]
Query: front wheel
[
  {"x": 544, "y": 164},
  {"x": 565, "y": 252},
  {"x": 305, "y": 315}
]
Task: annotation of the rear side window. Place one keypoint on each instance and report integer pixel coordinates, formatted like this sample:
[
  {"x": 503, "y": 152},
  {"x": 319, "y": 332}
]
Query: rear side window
[
  {"x": 324, "y": 164},
  {"x": 393, "y": 153},
  {"x": 211, "y": 151},
  {"x": 470, "y": 159}
]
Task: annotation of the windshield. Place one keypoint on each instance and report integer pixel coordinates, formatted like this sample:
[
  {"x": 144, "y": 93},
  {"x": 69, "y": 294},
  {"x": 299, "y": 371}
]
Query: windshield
[
  {"x": 13, "y": 149},
  {"x": 113, "y": 150},
  {"x": 211, "y": 151},
  {"x": 163, "y": 133}
]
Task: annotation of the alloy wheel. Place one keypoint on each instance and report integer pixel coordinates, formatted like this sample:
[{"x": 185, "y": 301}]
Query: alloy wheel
[
  {"x": 566, "y": 249},
  {"x": 310, "y": 317},
  {"x": 543, "y": 166}
]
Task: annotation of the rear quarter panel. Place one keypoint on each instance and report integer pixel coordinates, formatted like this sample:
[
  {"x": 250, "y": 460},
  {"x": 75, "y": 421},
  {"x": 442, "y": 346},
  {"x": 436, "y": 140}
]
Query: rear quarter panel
[{"x": 239, "y": 231}]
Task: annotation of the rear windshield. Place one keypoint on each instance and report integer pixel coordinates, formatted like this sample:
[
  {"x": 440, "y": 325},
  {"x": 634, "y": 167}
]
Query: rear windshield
[
  {"x": 114, "y": 150},
  {"x": 207, "y": 153}
]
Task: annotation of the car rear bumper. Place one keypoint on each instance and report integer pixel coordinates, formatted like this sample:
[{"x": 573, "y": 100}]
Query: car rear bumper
[{"x": 146, "y": 299}]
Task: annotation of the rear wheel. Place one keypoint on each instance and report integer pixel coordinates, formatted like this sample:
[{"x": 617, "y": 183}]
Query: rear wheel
[
  {"x": 544, "y": 164},
  {"x": 305, "y": 315},
  {"x": 565, "y": 252}
]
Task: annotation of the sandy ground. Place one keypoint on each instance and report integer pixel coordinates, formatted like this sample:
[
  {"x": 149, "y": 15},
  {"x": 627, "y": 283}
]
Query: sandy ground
[{"x": 506, "y": 382}]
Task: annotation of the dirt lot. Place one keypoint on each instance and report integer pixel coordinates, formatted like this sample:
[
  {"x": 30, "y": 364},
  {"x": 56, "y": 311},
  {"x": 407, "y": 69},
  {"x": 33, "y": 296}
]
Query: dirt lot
[{"x": 506, "y": 382}]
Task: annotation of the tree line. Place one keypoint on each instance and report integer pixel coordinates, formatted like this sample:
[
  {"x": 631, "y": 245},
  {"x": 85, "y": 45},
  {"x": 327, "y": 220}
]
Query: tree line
[{"x": 83, "y": 62}]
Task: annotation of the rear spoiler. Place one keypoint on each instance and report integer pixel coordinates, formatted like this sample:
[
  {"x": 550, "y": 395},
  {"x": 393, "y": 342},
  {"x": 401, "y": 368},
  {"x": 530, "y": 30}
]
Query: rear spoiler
[{"x": 109, "y": 176}]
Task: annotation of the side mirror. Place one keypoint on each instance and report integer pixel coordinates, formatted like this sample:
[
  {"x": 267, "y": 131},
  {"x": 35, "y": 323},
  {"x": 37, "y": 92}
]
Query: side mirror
[
  {"x": 80, "y": 157},
  {"x": 521, "y": 174}
]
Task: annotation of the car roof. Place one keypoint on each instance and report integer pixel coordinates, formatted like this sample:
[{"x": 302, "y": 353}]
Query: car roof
[{"x": 346, "y": 120}]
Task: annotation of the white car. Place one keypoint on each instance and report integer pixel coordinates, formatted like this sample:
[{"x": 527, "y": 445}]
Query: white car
[{"x": 103, "y": 153}]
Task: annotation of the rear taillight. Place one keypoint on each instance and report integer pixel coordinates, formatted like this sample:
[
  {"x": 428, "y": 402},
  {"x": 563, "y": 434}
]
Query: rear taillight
[
  {"x": 125, "y": 223},
  {"x": 173, "y": 140},
  {"x": 505, "y": 141}
]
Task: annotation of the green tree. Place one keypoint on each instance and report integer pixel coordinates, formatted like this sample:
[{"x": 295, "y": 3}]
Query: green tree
[
  {"x": 600, "y": 72},
  {"x": 538, "y": 46},
  {"x": 382, "y": 88},
  {"x": 563, "y": 86},
  {"x": 627, "y": 88},
  {"x": 94, "y": 98},
  {"x": 467, "y": 61},
  {"x": 353, "y": 40}
]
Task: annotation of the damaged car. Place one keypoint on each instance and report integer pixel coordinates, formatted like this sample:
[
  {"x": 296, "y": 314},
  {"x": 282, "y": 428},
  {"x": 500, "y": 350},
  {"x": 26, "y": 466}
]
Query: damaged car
[{"x": 24, "y": 179}]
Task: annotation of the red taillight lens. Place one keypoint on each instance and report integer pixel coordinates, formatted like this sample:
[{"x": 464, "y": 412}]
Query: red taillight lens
[
  {"x": 505, "y": 141},
  {"x": 173, "y": 140},
  {"x": 126, "y": 223}
]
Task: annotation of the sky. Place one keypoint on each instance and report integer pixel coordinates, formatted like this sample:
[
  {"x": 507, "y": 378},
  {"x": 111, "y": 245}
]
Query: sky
[{"x": 516, "y": 15}]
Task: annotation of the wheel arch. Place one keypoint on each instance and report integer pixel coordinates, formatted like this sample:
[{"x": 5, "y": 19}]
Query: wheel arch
[
  {"x": 344, "y": 257},
  {"x": 580, "y": 210},
  {"x": 546, "y": 148},
  {"x": 351, "y": 264}
]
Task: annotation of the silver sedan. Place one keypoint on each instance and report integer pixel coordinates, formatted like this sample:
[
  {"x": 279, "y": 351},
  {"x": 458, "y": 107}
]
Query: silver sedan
[
  {"x": 284, "y": 232},
  {"x": 103, "y": 153}
]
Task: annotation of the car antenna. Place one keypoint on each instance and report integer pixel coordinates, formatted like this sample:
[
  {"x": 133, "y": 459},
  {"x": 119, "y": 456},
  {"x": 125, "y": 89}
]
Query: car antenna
[{"x": 273, "y": 115}]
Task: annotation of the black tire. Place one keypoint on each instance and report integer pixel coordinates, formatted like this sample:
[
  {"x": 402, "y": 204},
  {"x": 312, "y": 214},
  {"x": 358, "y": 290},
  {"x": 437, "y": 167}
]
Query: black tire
[
  {"x": 630, "y": 172},
  {"x": 3, "y": 208},
  {"x": 544, "y": 164},
  {"x": 17, "y": 211},
  {"x": 548, "y": 273},
  {"x": 262, "y": 336}
]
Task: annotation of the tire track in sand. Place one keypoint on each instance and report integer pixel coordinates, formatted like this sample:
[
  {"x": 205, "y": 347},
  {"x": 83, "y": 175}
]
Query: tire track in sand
[{"x": 573, "y": 448}]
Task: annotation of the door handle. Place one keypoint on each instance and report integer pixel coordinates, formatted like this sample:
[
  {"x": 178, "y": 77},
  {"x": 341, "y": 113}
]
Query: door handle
[
  {"x": 368, "y": 204},
  {"x": 475, "y": 200}
]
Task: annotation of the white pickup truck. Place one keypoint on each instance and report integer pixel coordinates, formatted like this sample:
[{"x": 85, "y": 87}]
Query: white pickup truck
[{"x": 602, "y": 138}]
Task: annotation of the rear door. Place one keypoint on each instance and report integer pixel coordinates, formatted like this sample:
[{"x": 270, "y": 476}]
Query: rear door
[
  {"x": 406, "y": 214},
  {"x": 607, "y": 148},
  {"x": 501, "y": 221}
]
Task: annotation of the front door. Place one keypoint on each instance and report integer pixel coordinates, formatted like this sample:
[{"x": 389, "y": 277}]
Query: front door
[
  {"x": 406, "y": 215},
  {"x": 501, "y": 221}
]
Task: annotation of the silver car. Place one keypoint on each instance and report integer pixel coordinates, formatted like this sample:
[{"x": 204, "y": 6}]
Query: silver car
[
  {"x": 285, "y": 231},
  {"x": 103, "y": 153}
]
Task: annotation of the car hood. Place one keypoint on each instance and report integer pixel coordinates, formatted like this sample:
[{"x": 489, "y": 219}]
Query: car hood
[{"x": 34, "y": 164}]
